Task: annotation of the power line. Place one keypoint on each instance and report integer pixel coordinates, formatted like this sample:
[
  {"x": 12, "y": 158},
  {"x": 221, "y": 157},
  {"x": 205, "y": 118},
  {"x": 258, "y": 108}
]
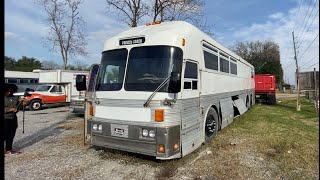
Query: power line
[
  {"x": 311, "y": 65},
  {"x": 305, "y": 17},
  {"x": 308, "y": 28},
  {"x": 309, "y": 61},
  {"x": 302, "y": 31},
  {"x": 288, "y": 66},
  {"x": 308, "y": 46},
  {"x": 307, "y": 20},
  {"x": 294, "y": 25}
]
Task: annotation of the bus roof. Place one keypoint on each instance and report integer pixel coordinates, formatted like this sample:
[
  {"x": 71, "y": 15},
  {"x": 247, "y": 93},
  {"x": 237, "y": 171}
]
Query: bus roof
[{"x": 166, "y": 33}]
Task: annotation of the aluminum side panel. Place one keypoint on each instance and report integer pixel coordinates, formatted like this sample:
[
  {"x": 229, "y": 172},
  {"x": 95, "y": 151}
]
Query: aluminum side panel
[
  {"x": 227, "y": 113},
  {"x": 190, "y": 133},
  {"x": 240, "y": 105},
  {"x": 214, "y": 99}
]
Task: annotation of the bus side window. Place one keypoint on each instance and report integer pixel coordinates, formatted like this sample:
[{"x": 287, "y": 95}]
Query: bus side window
[{"x": 191, "y": 72}]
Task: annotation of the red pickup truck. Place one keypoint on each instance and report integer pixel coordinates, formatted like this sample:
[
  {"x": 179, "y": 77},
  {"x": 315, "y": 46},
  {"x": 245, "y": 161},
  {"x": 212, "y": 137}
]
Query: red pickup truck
[{"x": 265, "y": 87}]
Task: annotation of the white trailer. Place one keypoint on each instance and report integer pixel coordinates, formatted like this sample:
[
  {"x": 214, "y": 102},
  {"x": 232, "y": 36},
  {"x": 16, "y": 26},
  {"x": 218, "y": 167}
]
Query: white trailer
[
  {"x": 23, "y": 80},
  {"x": 56, "y": 86},
  {"x": 163, "y": 90}
]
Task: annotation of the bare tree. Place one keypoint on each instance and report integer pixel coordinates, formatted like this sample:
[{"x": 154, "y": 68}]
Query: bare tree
[
  {"x": 66, "y": 32},
  {"x": 159, "y": 8},
  {"x": 132, "y": 11},
  {"x": 129, "y": 11},
  {"x": 183, "y": 10},
  {"x": 49, "y": 65},
  {"x": 80, "y": 65},
  {"x": 263, "y": 55}
]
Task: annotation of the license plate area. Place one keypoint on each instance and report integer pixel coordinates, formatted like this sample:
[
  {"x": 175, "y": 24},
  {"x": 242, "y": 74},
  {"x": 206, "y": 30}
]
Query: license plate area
[{"x": 119, "y": 130}]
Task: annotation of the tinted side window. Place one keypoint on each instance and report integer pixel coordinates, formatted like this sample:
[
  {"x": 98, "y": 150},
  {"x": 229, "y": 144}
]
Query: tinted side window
[
  {"x": 233, "y": 68},
  {"x": 191, "y": 70},
  {"x": 224, "y": 65},
  {"x": 210, "y": 60}
]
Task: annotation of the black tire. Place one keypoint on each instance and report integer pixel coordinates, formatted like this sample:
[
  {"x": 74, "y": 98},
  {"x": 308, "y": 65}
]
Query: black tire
[
  {"x": 211, "y": 125},
  {"x": 35, "y": 105},
  {"x": 272, "y": 99},
  {"x": 247, "y": 102}
]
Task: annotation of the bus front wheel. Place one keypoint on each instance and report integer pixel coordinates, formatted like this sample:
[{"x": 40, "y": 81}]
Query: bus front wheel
[{"x": 211, "y": 125}]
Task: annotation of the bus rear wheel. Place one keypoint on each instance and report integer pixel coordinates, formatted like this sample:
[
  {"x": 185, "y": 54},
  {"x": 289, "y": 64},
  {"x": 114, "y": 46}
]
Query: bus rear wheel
[{"x": 211, "y": 125}]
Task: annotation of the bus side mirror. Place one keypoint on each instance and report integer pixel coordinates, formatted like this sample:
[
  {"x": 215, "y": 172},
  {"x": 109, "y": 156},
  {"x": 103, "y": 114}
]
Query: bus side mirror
[
  {"x": 175, "y": 82},
  {"x": 81, "y": 82}
]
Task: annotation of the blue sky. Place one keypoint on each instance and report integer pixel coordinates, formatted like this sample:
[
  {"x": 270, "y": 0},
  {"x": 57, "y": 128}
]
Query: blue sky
[{"x": 231, "y": 21}]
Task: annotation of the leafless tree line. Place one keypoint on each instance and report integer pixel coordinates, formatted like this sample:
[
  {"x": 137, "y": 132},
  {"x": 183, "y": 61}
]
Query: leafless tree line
[
  {"x": 67, "y": 28},
  {"x": 132, "y": 12}
]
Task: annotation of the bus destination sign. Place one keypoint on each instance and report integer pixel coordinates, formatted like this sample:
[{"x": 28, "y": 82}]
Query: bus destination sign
[{"x": 131, "y": 41}]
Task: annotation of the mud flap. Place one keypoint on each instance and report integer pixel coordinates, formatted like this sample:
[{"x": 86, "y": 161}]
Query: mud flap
[
  {"x": 240, "y": 105},
  {"x": 227, "y": 113}
]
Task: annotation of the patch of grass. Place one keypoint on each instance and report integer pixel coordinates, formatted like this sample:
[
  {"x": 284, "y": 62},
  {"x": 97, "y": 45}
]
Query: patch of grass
[
  {"x": 272, "y": 142},
  {"x": 286, "y": 137}
]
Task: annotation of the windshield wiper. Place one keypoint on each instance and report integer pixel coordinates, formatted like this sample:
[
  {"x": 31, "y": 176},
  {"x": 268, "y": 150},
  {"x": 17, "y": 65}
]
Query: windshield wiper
[{"x": 146, "y": 104}]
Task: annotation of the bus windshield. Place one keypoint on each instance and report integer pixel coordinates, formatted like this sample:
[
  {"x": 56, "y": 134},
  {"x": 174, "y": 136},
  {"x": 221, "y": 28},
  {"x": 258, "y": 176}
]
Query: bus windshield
[
  {"x": 147, "y": 68},
  {"x": 112, "y": 68},
  {"x": 43, "y": 88}
]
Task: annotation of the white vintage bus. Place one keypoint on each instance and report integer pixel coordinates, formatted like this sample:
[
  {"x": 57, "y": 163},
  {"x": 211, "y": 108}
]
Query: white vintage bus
[{"x": 163, "y": 90}]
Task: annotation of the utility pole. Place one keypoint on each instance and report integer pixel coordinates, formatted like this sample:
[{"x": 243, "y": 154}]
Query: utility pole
[
  {"x": 297, "y": 74},
  {"x": 315, "y": 89}
]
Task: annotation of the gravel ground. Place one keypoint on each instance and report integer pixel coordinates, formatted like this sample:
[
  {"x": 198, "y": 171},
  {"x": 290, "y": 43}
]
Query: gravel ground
[{"x": 52, "y": 148}]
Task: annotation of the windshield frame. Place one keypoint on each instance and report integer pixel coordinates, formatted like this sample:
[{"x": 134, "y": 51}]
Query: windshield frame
[{"x": 176, "y": 59}]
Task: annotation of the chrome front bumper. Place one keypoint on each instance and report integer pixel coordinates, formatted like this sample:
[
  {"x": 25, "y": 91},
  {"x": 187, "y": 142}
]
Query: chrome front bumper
[{"x": 134, "y": 142}]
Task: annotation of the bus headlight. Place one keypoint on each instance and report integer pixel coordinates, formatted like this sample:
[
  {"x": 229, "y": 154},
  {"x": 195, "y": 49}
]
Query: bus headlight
[
  {"x": 152, "y": 134},
  {"x": 100, "y": 127},
  {"x": 95, "y": 127},
  {"x": 145, "y": 133}
]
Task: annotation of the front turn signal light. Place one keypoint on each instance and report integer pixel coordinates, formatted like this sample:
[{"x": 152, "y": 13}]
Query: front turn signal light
[
  {"x": 176, "y": 146},
  {"x": 91, "y": 110},
  {"x": 159, "y": 115},
  {"x": 161, "y": 148}
]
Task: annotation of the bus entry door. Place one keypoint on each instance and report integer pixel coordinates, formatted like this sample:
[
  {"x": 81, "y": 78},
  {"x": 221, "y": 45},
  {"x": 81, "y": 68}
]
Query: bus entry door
[{"x": 190, "y": 125}]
